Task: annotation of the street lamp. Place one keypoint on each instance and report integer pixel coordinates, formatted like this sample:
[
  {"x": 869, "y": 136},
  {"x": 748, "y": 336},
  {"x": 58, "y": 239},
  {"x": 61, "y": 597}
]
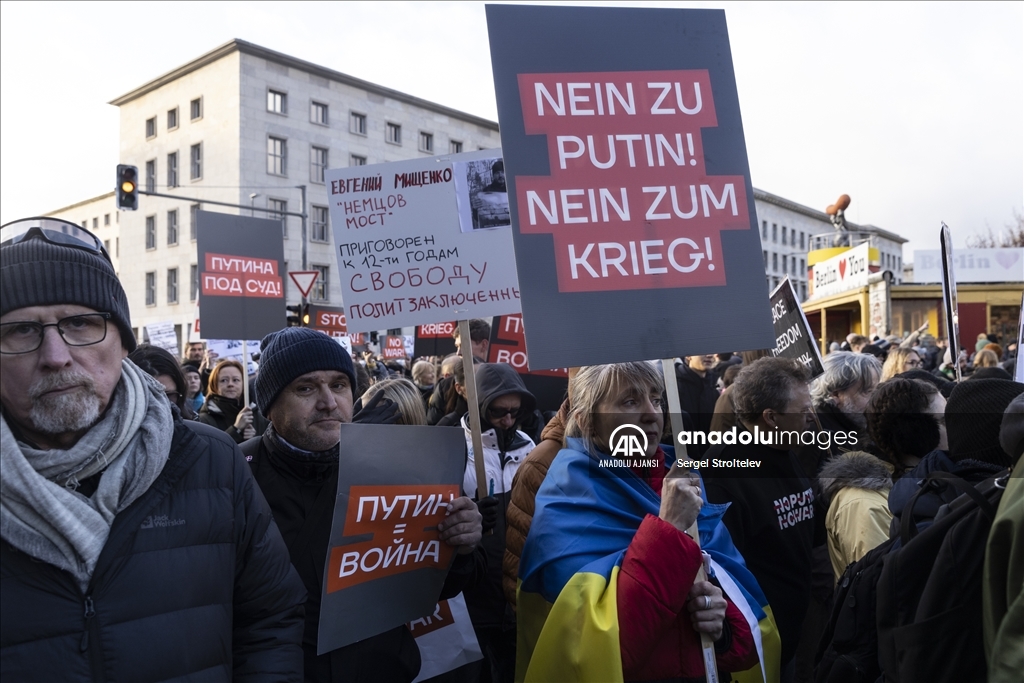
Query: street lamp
[{"x": 252, "y": 204}]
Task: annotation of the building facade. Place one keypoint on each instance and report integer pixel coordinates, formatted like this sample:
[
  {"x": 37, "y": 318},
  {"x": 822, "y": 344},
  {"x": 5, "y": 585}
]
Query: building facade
[{"x": 100, "y": 216}]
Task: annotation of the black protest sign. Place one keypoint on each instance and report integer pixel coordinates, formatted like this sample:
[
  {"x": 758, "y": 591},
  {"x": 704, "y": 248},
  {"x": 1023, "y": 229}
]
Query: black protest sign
[
  {"x": 949, "y": 306},
  {"x": 386, "y": 563},
  {"x": 508, "y": 345},
  {"x": 793, "y": 336},
  {"x": 434, "y": 339},
  {"x": 241, "y": 263},
  {"x": 629, "y": 188}
]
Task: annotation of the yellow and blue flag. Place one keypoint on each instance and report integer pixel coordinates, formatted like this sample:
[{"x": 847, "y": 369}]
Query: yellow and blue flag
[{"x": 586, "y": 516}]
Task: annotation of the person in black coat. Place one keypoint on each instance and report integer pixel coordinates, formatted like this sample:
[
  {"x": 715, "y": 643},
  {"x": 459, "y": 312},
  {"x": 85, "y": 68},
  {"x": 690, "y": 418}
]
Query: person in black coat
[
  {"x": 698, "y": 393},
  {"x": 135, "y": 546},
  {"x": 305, "y": 388}
]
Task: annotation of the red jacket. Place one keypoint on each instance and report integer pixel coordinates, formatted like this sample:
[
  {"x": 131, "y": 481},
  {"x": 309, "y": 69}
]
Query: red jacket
[{"x": 656, "y": 636}]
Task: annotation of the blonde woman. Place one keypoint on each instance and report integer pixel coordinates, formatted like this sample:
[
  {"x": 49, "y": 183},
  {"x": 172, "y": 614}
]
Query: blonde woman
[
  {"x": 405, "y": 395},
  {"x": 900, "y": 360}
]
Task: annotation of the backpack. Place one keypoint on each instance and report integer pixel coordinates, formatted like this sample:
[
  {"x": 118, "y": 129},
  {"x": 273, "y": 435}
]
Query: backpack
[
  {"x": 929, "y": 614},
  {"x": 883, "y": 599},
  {"x": 848, "y": 651}
]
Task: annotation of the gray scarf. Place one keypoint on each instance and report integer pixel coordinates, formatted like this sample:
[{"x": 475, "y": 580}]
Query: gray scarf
[{"x": 43, "y": 515}]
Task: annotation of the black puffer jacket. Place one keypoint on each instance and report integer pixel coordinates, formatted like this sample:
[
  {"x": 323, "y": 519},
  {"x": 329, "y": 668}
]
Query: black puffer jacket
[
  {"x": 304, "y": 489},
  {"x": 221, "y": 412},
  {"x": 194, "y": 583}
]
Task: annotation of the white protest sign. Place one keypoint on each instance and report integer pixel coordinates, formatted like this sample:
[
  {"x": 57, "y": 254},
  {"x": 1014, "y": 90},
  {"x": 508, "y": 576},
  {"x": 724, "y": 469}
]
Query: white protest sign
[
  {"x": 446, "y": 638},
  {"x": 972, "y": 265},
  {"x": 848, "y": 270},
  {"x": 194, "y": 334},
  {"x": 162, "y": 334},
  {"x": 403, "y": 257},
  {"x": 232, "y": 349}
]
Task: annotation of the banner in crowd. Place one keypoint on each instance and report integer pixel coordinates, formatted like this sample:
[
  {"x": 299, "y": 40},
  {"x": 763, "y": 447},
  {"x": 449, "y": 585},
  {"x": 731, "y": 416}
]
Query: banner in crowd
[
  {"x": 972, "y": 265},
  {"x": 630, "y": 195},
  {"x": 328, "y": 319},
  {"x": 793, "y": 336},
  {"x": 162, "y": 334},
  {"x": 240, "y": 275},
  {"x": 231, "y": 349},
  {"x": 386, "y": 562},
  {"x": 446, "y": 638},
  {"x": 398, "y": 346},
  {"x": 434, "y": 339},
  {"x": 508, "y": 345},
  {"x": 405, "y": 258},
  {"x": 841, "y": 273}
]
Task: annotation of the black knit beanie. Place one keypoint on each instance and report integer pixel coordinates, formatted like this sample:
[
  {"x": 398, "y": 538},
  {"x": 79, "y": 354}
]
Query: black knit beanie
[
  {"x": 37, "y": 273},
  {"x": 974, "y": 415},
  {"x": 292, "y": 352}
]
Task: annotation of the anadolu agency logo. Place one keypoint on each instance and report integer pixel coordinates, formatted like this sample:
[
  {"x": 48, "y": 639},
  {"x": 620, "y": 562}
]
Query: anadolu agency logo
[{"x": 629, "y": 448}]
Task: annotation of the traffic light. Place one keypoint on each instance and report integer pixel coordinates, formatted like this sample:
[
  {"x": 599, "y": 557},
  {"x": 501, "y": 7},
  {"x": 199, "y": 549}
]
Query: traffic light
[
  {"x": 298, "y": 315},
  {"x": 127, "y": 187}
]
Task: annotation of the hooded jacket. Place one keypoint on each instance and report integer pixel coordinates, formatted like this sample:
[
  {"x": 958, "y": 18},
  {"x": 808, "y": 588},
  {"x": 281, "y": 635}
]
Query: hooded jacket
[
  {"x": 193, "y": 583},
  {"x": 855, "y": 488},
  {"x": 221, "y": 412},
  {"x": 525, "y": 484},
  {"x": 504, "y": 450}
]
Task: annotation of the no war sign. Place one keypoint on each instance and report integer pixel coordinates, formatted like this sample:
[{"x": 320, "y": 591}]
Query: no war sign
[{"x": 630, "y": 194}]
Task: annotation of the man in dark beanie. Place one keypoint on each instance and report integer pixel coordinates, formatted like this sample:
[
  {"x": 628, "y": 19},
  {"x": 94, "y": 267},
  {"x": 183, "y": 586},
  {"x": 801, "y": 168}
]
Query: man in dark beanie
[
  {"x": 110, "y": 504},
  {"x": 305, "y": 388},
  {"x": 974, "y": 415}
]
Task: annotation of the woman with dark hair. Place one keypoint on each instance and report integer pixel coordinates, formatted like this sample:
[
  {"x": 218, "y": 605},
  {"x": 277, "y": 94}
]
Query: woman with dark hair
[
  {"x": 905, "y": 420},
  {"x": 160, "y": 364},
  {"x": 223, "y": 408}
]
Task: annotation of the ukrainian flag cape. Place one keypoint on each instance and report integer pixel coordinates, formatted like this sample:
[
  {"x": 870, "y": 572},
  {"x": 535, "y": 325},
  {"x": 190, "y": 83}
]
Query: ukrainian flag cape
[{"x": 586, "y": 516}]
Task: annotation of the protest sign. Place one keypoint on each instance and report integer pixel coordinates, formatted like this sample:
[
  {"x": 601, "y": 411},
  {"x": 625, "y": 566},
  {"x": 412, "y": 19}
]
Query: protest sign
[
  {"x": 329, "y": 319},
  {"x": 385, "y": 563},
  {"x": 434, "y": 339},
  {"x": 194, "y": 334},
  {"x": 394, "y": 347},
  {"x": 508, "y": 345},
  {"x": 628, "y": 182},
  {"x": 231, "y": 349},
  {"x": 162, "y": 334},
  {"x": 402, "y": 256},
  {"x": 445, "y": 638},
  {"x": 841, "y": 273},
  {"x": 972, "y": 265},
  {"x": 793, "y": 336},
  {"x": 240, "y": 263},
  {"x": 949, "y": 307}
]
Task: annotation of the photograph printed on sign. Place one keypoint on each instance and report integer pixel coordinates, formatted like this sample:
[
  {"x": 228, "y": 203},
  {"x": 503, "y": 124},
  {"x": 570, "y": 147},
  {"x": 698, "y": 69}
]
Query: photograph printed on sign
[{"x": 481, "y": 194}]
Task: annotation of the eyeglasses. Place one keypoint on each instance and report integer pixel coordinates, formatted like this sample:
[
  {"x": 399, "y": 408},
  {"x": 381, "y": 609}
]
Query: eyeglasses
[
  {"x": 54, "y": 231},
  {"x": 75, "y": 330},
  {"x": 173, "y": 396},
  {"x": 498, "y": 413}
]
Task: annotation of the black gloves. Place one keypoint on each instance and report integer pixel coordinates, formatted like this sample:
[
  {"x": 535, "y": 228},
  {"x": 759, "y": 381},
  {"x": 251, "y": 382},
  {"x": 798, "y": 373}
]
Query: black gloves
[
  {"x": 489, "y": 510},
  {"x": 379, "y": 410}
]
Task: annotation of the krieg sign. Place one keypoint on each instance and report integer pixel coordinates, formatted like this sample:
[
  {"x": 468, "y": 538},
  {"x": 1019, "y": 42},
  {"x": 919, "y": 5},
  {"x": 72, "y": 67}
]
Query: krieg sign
[{"x": 841, "y": 273}]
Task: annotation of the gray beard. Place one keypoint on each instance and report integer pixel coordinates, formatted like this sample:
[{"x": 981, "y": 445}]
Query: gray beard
[{"x": 71, "y": 412}]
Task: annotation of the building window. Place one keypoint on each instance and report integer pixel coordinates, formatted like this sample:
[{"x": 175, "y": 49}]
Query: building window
[
  {"x": 320, "y": 288},
  {"x": 784, "y": 263},
  {"x": 117, "y": 247},
  {"x": 454, "y": 147},
  {"x": 193, "y": 221},
  {"x": 356, "y": 160},
  {"x": 426, "y": 142},
  {"x": 193, "y": 290},
  {"x": 765, "y": 254},
  {"x": 195, "y": 108},
  {"x": 279, "y": 206},
  {"x": 196, "y": 161},
  {"x": 393, "y": 134},
  {"x": 320, "y": 224},
  {"x": 775, "y": 263},
  {"x": 172, "y": 118},
  {"x": 792, "y": 238},
  {"x": 803, "y": 268},
  {"x": 783, "y": 235},
  {"x": 775, "y": 233},
  {"x": 764, "y": 230},
  {"x": 151, "y": 128},
  {"x": 172, "y": 285},
  {"x": 106, "y": 246},
  {"x": 277, "y": 156},
  {"x": 318, "y": 164},
  {"x": 150, "y": 232},
  {"x": 151, "y": 175},
  {"x": 172, "y": 169},
  {"x": 801, "y": 240},
  {"x": 172, "y": 226},
  {"x": 95, "y": 223},
  {"x": 85, "y": 224},
  {"x": 357, "y": 123},
  {"x": 277, "y": 102},
  {"x": 106, "y": 219},
  {"x": 151, "y": 288},
  {"x": 318, "y": 113}
]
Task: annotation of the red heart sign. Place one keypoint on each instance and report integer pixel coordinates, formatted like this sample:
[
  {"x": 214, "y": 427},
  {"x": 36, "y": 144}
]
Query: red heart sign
[{"x": 842, "y": 269}]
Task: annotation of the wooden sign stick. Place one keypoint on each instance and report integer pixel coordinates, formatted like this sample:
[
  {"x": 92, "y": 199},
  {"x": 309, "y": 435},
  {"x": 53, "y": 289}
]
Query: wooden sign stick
[
  {"x": 466, "y": 347},
  {"x": 675, "y": 412}
]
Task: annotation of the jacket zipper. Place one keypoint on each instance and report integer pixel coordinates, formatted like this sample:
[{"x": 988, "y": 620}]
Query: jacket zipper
[
  {"x": 90, "y": 628},
  {"x": 90, "y": 612}
]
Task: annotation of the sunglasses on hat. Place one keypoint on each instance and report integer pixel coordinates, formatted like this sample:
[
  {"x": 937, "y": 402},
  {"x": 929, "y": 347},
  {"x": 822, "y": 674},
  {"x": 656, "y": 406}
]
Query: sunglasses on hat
[{"x": 54, "y": 231}]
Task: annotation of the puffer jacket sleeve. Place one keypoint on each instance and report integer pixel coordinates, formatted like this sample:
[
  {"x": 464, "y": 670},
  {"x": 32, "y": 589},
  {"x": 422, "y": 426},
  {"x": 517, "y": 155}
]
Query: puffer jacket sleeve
[{"x": 269, "y": 595}]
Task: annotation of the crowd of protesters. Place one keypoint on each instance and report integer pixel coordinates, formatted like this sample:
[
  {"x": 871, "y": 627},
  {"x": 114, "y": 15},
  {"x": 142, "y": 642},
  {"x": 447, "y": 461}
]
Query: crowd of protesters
[{"x": 157, "y": 527}]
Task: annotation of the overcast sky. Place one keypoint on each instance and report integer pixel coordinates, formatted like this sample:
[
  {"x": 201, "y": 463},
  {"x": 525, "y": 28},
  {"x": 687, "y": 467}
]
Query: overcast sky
[{"x": 914, "y": 110}]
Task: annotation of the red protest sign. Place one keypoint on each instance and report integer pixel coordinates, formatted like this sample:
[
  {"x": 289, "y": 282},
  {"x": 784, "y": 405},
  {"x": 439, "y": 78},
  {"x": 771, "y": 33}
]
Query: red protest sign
[
  {"x": 394, "y": 347},
  {"x": 403, "y": 522},
  {"x": 329, "y": 319},
  {"x": 435, "y": 330},
  {"x": 227, "y": 275}
]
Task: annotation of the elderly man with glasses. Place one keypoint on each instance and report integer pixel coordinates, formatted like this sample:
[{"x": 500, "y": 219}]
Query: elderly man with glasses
[{"x": 135, "y": 546}]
